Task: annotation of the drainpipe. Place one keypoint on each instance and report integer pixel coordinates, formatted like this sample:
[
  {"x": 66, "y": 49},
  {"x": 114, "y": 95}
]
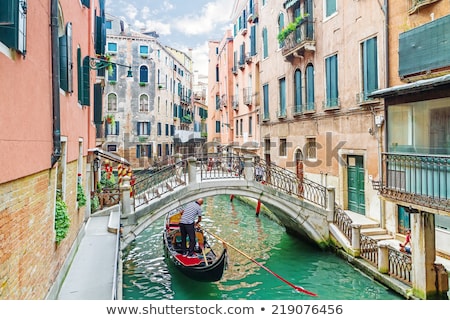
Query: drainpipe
[{"x": 55, "y": 83}]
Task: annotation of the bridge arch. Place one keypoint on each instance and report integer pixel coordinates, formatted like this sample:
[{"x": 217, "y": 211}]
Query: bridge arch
[{"x": 294, "y": 213}]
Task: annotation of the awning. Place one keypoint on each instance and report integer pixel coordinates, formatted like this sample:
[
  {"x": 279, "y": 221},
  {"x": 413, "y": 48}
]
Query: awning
[
  {"x": 413, "y": 87},
  {"x": 289, "y": 3},
  {"x": 108, "y": 155}
]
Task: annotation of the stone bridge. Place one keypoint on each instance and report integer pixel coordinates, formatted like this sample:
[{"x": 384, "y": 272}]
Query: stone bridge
[{"x": 191, "y": 179}]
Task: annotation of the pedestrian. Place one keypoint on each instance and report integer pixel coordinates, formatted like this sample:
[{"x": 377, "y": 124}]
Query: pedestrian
[
  {"x": 404, "y": 246},
  {"x": 187, "y": 225}
]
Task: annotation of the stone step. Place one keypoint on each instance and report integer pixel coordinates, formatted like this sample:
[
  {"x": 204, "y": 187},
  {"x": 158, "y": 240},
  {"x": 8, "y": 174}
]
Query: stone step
[
  {"x": 373, "y": 231},
  {"x": 380, "y": 237}
]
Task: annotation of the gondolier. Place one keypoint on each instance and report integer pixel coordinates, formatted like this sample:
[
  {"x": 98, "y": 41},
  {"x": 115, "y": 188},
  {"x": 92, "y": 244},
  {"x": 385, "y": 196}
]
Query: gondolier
[{"x": 187, "y": 225}]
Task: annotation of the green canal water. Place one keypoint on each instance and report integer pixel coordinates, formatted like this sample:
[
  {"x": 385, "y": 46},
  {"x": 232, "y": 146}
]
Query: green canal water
[{"x": 147, "y": 275}]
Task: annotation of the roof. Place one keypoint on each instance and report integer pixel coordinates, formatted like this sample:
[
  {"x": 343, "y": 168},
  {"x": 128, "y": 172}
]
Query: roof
[
  {"x": 110, "y": 156},
  {"x": 413, "y": 87}
]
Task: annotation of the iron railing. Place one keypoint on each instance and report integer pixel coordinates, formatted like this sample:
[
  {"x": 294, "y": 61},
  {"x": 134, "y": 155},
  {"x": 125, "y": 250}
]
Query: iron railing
[
  {"x": 163, "y": 181},
  {"x": 417, "y": 179}
]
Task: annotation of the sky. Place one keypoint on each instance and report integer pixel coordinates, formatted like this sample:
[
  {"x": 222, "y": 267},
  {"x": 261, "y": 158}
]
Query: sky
[{"x": 181, "y": 24}]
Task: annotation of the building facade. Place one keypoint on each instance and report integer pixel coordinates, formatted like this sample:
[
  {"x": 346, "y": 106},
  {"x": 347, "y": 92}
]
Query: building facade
[
  {"x": 151, "y": 107},
  {"x": 414, "y": 180},
  {"x": 45, "y": 135}
]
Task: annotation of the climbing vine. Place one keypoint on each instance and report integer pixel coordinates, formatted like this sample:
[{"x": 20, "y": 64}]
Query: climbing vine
[{"x": 62, "y": 220}]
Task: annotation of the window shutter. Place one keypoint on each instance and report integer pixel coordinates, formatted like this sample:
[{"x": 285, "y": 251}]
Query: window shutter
[
  {"x": 85, "y": 85},
  {"x": 138, "y": 151},
  {"x": 63, "y": 64},
  {"x": 100, "y": 35},
  {"x": 148, "y": 128},
  {"x": 138, "y": 127},
  {"x": 13, "y": 24},
  {"x": 86, "y": 3},
  {"x": 117, "y": 127},
  {"x": 98, "y": 103}
]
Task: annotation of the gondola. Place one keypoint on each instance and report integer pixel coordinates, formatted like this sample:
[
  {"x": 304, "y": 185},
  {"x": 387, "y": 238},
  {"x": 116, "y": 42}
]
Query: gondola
[{"x": 207, "y": 266}]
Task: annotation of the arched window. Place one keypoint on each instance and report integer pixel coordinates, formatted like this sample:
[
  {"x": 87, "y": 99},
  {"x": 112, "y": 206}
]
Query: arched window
[
  {"x": 143, "y": 103},
  {"x": 112, "y": 102},
  {"x": 143, "y": 74},
  {"x": 309, "y": 86},
  {"x": 298, "y": 99}
]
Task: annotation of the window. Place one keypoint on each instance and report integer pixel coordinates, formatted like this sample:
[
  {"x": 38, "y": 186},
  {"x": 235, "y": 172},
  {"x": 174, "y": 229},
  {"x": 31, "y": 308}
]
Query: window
[
  {"x": 280, "y": 27},
  {"x": 311, "y": 149},
  {"x": 403, "y": 219},
  {"x": 167, "y": 129},
  {"x": 250, "y": 126},
  {"x": 330, "y": 7},
  {"x": 331, "y": 75},
  {"x": 265, "y": 43},
  {"x": 241, "y": 127},
  {"x": 159, "y": 150},
  {"x": 159, "y": 129},
  {"x": 266, "y": 146},
  {"x": 217, "y": 126},
  {"x": 13, "y": 25},
  {"x": 369, "y": 66},
  {"x": 237, "y": 128},
  {"x": 282, "y": 88},
  {"x": 112, "y": 73},
  {"x": 112, "y": 102},
  {"x": 108, "y": 24},
  {"x": 266, "y": 101},
  {"x": 309, "y": 88},
  {"x": 112, "y": 47},
  {"x": 144, "y": 150},
  {"x": 112, "y": 128},
  {"x": 143, "y": 103},
  {"x": 65, "y": 60},
  {"x": 298, "y": 99},
  {"x": 283, "y": 147},
  {"x": 143, "y": 74},
  {"x": 143, "y": 128},
  {"x": 143, "y": 50},
  {"x": 253, "y": 40},
  {"x": 111, "y": 148},
  {"x": 217, "y": 102}
]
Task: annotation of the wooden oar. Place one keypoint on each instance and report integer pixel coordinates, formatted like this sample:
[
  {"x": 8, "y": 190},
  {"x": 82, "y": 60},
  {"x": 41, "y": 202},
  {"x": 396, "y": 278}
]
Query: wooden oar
[
  {"x": 204, "y": 254},
  {"x": 300, "y": 289}
]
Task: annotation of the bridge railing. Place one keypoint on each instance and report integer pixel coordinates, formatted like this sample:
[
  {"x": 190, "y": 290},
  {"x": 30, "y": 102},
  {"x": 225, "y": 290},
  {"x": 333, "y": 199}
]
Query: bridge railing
[
  {"x": 162, "y": 181},
  {"x": 217, "y": 166},
  {"x": 287, "y": 181}
]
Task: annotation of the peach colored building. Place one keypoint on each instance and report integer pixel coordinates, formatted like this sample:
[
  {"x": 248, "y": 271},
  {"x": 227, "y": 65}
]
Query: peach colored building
[
  {"x": 46, "y": 129},
  {"x": 316, "y": 119}
]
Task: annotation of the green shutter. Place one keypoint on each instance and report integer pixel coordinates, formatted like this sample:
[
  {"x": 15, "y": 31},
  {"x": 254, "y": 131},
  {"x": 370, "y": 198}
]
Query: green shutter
[
  {"x": 298, "y": 90},
  {"x": 265, "y": 44},
  {"x": 86, "y": 3},
  {"x": 253, "y": 40},
  {"x": 100, "y": 35},
  {"x": 85, "y": 86},
  {"x": 310, "y": 87},
  {"x": 13, "y": 24},
  {"x": 80, "y": 75},
  {"x": 98, "y": 105},
  {"x": 63, "y": 70}
]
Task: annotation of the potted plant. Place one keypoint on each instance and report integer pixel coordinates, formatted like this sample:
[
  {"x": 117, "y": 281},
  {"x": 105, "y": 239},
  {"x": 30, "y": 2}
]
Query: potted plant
[
  {"x": 290, "y": 28},
  {"x": 110, "y": 119}
]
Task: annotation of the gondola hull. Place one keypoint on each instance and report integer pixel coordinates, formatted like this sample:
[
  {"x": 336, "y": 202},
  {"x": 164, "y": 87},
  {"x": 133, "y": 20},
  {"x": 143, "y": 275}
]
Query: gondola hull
[{"x": 206, "y": 266}]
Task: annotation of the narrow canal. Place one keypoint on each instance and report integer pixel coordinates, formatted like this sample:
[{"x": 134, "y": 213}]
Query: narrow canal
[{"x": 147, "y": 275}]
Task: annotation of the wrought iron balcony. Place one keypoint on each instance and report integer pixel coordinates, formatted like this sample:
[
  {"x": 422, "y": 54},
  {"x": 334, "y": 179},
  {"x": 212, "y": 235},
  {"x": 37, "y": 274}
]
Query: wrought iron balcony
[
  {"x": 417, "y": 179},
  {"x": 301, "y": 40}
]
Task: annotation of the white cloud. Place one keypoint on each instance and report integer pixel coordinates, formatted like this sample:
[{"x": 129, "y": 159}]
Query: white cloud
[{"x": 208, "y": 18}]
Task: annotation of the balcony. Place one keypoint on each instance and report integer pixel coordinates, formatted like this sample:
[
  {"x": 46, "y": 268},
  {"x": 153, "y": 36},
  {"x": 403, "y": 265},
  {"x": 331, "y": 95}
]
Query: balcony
[
  {"x": 281, "y": 113},
  {"x": 235, "y": 102},
  {"x": 224, "y": 100},
  {"x": 416, "y": 4},
  {"x": 299, "y": 41},
  {"x": 417, "y": 179},
  {"x": 247, "y": 96}
]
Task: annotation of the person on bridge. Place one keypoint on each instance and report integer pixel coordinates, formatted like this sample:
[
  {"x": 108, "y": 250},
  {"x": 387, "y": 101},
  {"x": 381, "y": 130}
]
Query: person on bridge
[{"x": 187, "y": 225}]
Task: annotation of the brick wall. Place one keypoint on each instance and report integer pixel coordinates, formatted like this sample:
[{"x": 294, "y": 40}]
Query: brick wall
[{"x": 29, "y": 257}]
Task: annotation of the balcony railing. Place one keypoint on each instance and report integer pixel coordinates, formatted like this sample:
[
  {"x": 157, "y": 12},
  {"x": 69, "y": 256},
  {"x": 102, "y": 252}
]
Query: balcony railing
[
  {"x": 417, "y": 179},
  {"x": 247, "y": 95},
  {"x": 301, "y": 40}
]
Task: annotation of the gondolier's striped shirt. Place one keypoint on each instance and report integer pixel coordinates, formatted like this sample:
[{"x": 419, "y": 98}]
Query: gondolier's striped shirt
[{"x": 191, "y": 211}]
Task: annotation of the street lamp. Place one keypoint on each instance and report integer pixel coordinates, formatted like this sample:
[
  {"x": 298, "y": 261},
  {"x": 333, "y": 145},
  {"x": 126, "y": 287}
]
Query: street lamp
[{"x": 102, "y": 63}]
